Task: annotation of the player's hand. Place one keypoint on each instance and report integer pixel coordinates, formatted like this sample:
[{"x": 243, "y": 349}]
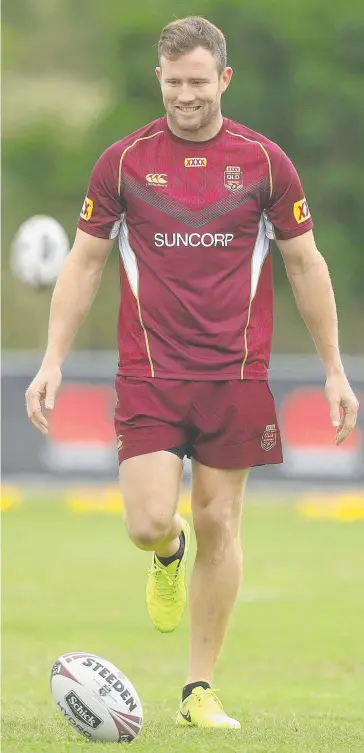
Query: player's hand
[
  {"x": 42, "y": 390},
  {"x": 343, "y": 405}
]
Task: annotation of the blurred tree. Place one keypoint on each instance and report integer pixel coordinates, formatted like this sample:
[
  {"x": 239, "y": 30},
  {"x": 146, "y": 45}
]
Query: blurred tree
[{"x": 79, "y": 74}]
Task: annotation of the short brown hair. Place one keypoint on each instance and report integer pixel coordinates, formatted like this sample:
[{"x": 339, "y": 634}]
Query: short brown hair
[{"x": 185, "y": 34}]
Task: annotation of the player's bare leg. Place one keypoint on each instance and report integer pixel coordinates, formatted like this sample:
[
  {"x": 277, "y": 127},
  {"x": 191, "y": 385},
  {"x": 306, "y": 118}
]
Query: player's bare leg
[
  {"x": 150, "y": 485},
  {"x": 217, "y": 497}
]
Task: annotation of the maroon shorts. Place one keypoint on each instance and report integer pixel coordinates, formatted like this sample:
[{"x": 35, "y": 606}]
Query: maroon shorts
[{"x": 227, "y": 424}]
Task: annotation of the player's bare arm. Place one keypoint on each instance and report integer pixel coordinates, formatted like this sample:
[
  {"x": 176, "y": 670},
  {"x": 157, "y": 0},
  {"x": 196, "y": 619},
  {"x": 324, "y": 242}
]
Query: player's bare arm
[
  {"x": 72, "y": 298},
  {"x": 308, "y": 274}
]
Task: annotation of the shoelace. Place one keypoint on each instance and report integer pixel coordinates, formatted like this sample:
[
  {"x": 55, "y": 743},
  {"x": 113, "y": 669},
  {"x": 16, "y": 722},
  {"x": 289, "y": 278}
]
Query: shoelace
[
  {"x": 211, "y": 693},
  {"x": 166, "y": 585}
]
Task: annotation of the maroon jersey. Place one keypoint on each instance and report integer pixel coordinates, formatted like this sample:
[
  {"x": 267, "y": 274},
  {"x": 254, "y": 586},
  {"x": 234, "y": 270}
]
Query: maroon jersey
[{"x": 194, "y": 223}]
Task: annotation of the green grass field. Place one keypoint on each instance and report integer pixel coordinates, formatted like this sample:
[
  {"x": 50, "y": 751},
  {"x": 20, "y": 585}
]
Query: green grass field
[{"x": 292, "y": 670}]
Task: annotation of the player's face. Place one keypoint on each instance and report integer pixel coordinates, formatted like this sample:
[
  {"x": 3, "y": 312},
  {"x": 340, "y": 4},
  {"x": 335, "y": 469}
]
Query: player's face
[{"x": 191, "y": 88}]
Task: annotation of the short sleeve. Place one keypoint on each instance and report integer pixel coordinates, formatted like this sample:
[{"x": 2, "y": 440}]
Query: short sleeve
[
  {"x": 103, "y": 207},
  {"x": 287, "y": 209}
]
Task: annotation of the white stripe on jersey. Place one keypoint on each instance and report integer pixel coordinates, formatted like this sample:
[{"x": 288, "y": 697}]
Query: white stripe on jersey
[
  {"x": 128, "y": 256},
  {"x": 260, "y": 251}
]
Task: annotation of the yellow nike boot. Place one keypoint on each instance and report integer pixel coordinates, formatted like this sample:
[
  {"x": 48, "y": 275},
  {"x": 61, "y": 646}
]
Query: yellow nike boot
[
  {"x": 166, "y": 589},
  {"x": 202, "y": 708}
]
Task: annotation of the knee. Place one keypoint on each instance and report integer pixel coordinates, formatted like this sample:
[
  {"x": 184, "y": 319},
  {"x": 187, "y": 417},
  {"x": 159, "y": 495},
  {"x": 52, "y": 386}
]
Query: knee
[
  {"x": 147, "y": 531},
  {"x": 215, "y": 531}
]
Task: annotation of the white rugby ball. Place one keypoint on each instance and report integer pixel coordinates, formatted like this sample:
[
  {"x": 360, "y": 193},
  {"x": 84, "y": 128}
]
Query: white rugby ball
[
  {"x": 96, "y": 698},
  {"x": 38, "y": 251}
]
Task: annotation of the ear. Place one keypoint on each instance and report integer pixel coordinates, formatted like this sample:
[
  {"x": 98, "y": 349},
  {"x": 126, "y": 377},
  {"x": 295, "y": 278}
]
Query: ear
[
  {"x": 226, "y": 78},
  {"x": 158, "y": 72}
]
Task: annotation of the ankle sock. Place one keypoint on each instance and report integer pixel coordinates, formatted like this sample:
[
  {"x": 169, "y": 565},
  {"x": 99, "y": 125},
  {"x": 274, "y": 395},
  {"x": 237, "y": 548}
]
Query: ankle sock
[
  {"x": 187, "y": 690},
  {"x": 179, "y": 554}
]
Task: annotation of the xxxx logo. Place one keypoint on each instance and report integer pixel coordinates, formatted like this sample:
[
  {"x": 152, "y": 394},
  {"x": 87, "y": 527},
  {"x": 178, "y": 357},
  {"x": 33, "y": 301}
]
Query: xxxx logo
[
  {"x": 157, "y": 179},
  {"x": 195, "y": 162},
  {"x": 301, "y": 211}
]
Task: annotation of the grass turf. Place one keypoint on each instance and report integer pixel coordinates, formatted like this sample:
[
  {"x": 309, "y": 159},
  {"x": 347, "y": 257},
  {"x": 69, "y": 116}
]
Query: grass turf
[{"x": 292, "y": 669}]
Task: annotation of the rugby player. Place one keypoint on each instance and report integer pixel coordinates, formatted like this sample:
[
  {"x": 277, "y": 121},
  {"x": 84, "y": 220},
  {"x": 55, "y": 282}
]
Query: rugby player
[{"x": 194, "y": 200}]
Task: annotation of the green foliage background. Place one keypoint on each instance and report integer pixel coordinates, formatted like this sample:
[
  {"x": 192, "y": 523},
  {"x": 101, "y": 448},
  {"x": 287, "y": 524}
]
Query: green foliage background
[{"x": 79, "y": 74}]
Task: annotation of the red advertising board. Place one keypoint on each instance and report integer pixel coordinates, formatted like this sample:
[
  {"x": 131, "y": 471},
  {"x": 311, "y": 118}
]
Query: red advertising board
[
  {"x": 309, "y": 438},
  {"x": 81, "y": 430}
]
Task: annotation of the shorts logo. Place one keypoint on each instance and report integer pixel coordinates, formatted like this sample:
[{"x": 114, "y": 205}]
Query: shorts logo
[
  {"x": 269, "y": 437},
  {"x": 301, "y": 211},
  {"x": 195, "y": 162},
  {"x": 233, "y": 178},
  {"x": 156, "y": 179},
  {"x": 120, "y": 442},
  {"x": 87, "y": 209}
]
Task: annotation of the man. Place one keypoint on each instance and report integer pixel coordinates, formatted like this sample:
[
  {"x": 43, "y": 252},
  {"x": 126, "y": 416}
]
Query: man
[{"x": 194, "y": 200}]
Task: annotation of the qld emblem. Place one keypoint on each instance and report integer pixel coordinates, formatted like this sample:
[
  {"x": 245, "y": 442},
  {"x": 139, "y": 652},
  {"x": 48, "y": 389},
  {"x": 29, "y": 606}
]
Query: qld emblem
[
  {"x": 233, "y": 178},
  {"x": 269, "y": 437}
]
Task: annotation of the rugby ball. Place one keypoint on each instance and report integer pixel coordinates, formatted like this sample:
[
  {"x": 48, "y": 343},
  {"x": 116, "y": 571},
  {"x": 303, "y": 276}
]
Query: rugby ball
[
  {"x": 38, "y": 251},
  {"x": 96, "y": 698}
]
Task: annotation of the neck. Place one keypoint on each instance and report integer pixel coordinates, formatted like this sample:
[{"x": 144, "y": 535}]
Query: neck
[{"x": 205, "y": 133}]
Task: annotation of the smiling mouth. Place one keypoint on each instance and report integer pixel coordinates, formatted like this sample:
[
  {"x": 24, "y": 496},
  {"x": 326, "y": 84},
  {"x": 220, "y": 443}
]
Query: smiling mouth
[{"x": 188, "y": 109}]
